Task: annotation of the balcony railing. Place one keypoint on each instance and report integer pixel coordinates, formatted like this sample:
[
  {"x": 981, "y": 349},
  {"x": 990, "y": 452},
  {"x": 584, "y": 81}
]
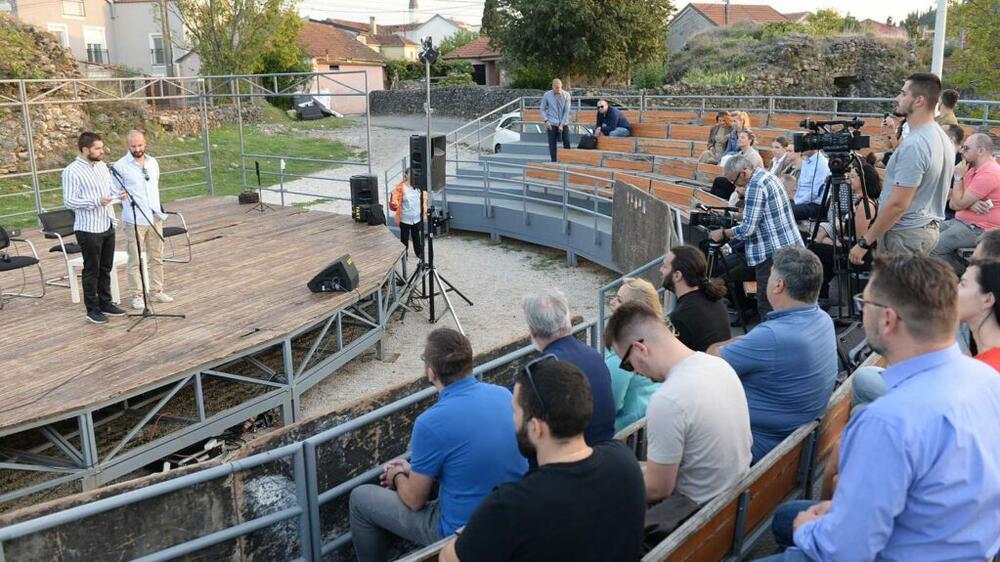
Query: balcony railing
[
  {"x": 157, "y": 57},
  {"x": 98, "y": 55}
]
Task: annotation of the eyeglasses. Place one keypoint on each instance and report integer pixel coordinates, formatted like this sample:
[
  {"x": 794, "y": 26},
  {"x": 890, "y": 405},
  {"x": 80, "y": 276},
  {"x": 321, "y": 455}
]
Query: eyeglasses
[
  {"x": 531, "y": 380},
  {"x": 861, "y": 303},
  {"x": 964, "y": 147},
  {"x": 625, "y": 364}
]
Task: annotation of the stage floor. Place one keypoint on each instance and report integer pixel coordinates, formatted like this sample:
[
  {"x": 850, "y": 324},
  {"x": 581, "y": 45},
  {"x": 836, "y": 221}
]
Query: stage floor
[{"x": 244, "y": 289}]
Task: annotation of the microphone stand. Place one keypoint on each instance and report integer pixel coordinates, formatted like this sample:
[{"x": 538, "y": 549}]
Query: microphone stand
[{"x": 147, "y": 311}]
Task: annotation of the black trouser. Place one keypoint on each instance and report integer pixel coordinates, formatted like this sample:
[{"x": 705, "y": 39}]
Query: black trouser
[
  {"x": 554, "y": 135},
  {"x": 762, "y": 272},
  {"x": 806, "y": 211},
  {"x": 98, "y": 258},
  {"x": 416, "y": 231}
]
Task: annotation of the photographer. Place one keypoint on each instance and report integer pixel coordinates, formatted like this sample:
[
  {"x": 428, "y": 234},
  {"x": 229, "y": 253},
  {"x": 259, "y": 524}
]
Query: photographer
[{"x": 768, "y": 222}]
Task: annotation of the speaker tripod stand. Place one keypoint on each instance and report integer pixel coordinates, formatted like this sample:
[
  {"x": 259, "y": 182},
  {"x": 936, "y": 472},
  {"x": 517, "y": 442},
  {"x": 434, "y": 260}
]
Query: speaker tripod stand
[{"x": 425, "y": 276}]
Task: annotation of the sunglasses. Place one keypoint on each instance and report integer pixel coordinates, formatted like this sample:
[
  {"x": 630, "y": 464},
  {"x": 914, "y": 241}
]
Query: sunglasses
[
  {"x": 625, "y": 364},
  {"x": 861, "y": 303},
  {"x": 531, "y": 380},
  {"x": 145, "y": 173}
]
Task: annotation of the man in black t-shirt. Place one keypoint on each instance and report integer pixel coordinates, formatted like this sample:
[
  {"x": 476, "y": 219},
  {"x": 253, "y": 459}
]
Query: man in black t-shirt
[
  {"x": 700, "y": 316},
  {"x": 582, "y": 503}
]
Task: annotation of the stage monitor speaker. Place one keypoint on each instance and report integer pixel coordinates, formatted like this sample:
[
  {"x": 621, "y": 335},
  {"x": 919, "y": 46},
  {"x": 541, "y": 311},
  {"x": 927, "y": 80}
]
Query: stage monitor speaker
[
  {"x": 341, "y": 275},
  {"x": 418, "y": 147},
  {"x": 364, "y": 190}
]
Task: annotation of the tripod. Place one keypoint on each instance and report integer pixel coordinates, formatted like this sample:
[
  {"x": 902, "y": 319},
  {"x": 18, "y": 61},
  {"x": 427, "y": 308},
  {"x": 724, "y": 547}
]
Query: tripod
[
  {"x": 261, "y": 206},
  {"x": 426, "y": 275},
  {"x": 147, "y": 311}
]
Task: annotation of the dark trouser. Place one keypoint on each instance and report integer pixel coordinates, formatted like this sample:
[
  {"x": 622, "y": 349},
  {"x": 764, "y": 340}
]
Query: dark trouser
[
  {"x": 415, "y": 231},
  {"x": 805, "y": 211},
  {"x": 98, "y": 258},
  {"x": 762, "y": 272},
  {"x": 554, "y": 135},
  {"x": 784, "y": 516}
]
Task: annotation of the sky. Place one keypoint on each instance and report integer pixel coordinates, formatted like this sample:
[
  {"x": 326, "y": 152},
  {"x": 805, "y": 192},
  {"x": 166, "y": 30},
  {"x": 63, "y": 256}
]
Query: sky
[{"x": 395, "y": 11}]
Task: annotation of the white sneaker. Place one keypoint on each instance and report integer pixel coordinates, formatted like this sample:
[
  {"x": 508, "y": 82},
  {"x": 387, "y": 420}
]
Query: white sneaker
[
  {"x": 162, "y": 297},
  {"x": 137, "y": 303}
]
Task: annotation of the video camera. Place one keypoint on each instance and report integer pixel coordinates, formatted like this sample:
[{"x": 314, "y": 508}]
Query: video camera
[
  {"x": 706, "y": 220},
  {"x": 837, "y": 144}
]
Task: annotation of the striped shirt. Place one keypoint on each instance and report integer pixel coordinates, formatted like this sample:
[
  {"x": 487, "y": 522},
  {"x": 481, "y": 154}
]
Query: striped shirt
[
  {"x": 768, "y": 221},
  {"x": 84, "y": 184}
]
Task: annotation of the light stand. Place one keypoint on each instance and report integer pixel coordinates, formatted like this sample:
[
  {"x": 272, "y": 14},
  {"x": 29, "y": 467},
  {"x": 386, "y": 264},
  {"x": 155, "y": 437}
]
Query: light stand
[
  {"x": 261, "y": 206},
  {"x": 147, "y": 310}
]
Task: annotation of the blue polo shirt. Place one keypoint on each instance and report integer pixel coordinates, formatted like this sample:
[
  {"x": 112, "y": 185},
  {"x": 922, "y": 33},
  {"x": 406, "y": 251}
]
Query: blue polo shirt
[
  {"x": 788, "y": 366},
  {"x": 467, "y": 442},
  {"x": 588, "y": 360}
]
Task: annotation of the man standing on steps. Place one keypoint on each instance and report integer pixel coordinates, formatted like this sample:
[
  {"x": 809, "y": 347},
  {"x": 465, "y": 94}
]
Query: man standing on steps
[{"x": 555, "y": 113}]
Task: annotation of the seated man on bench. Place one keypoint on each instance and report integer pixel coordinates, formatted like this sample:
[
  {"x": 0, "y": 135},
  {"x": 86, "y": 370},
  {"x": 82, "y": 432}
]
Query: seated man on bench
[{"x": 611, "y": 122}]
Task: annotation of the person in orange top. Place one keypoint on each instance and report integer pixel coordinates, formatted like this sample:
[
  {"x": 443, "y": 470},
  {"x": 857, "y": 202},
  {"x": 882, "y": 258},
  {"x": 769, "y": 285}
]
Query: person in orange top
[
  {"x": 979, "y": 308},
  {"x": 410, "y": 206}
]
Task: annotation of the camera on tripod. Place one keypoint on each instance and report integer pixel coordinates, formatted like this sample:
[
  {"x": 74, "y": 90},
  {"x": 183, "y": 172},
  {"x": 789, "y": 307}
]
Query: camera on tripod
[
  {"x": 706, "y": 220},
  {"x": 837, "y": 144}
]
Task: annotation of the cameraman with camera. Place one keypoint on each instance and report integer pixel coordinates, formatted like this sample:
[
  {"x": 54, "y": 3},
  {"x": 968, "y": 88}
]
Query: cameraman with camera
[
  {"x": 768, "y": 222},
  {"x": 917, "y": 177}
]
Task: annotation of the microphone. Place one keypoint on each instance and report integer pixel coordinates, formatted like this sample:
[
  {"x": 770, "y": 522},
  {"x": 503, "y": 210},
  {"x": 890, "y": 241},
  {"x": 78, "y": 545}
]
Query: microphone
[{"x": 256, "y": 166}]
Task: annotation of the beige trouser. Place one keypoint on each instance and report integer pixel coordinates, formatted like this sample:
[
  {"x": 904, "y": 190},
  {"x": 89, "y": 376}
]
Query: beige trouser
[
  {"x": 152, "y": 251},
  {"x": 912, "y": 240}
]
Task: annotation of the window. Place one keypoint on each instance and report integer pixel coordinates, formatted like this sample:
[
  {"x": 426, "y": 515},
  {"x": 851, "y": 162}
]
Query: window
[
  {"x": 157, "y": 54},
  {"x": 97, "y": 46},
  {"x": 60, "y": 31},
  {"x": 73, "y": 8}
]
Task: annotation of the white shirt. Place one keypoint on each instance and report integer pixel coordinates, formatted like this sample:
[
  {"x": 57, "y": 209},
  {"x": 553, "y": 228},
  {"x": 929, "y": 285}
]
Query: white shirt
[
  {"x": 776, "y": 164},
  {"x": 411, "y": 205},
  {"x": 146, "y": 193}
]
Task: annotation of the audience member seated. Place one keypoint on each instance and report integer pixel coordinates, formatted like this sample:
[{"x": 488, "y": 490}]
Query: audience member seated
[
  {"x": 783, "y": 162},
  {"x": 946, "y": 108},
  {"x": 975, "y": 197},
  {"x": 745, "y": 141},
  {"x": 956, "y": 134},
  {"x": 788, "y": 363},
  {"x": 631, "y": 391},
  {"x": 893, "y": 134},
  {"x": 581, "y": 503},
  {"x": 718, "y": 137},
  {"x": 979, "y": 309},
  {"x": 611, "y": 122},
  {"x": 465, "y": 443},
  {"x": 741, "y": 122},
  {"x": 547, "y": 314},
  {"x": 919, "y": 469},
  {"x": 812, "y": 180},
  {"x": 700, "y": 317},
  {"x": 697, "y": 424}
]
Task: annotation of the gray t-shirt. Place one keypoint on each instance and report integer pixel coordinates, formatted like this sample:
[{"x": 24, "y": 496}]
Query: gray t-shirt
[
  {"x": 699, "y": 419},
  {"x": 924, "y": 160}
]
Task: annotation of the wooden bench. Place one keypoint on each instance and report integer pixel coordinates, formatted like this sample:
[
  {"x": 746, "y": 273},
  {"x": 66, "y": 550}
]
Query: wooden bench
[
  {"x": 626, "y": 144},
  {"x": 671, "y": 147},
  {"x": 649, "y": 130},
  {"x": 667, "y": 116}
]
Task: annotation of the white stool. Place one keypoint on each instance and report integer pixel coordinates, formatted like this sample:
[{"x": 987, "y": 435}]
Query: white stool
[{"x": 121, "y": 259}]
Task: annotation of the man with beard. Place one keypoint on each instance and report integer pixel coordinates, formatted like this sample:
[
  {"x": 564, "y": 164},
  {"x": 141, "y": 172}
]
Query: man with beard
[
  {"x": 919, "y": 470},
  {"x": 583, "y": 503},
  {"x": 700, "y": 316},
  {"x": 87, "y": 189},
  {"x": 917, "y": 177},
  {"x": 465, "y": 443},
  {"x": 141, "y": 174}
]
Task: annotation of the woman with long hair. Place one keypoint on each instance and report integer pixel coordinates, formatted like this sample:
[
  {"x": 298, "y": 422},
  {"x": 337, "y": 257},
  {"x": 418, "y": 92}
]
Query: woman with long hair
[
  {"x": 718, "y": 137},
  {"x": 979, "y": 308},
  {"x": 631, "y": 391}
]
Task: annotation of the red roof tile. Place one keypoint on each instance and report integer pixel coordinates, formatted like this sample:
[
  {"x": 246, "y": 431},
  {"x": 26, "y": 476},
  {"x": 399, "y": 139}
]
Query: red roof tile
[
  {"x": 477, "y": 49},
  {"x": 357, "y": 26},
  {"x": 387, "y": 40},
  {"x": 756, "y": 13},
  {"x": 323, "y": 41}
]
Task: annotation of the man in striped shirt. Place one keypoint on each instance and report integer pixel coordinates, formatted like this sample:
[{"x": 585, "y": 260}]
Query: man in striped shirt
[
  {"x": 768, "y": 221},
  {"x": 88, "y": 190}
]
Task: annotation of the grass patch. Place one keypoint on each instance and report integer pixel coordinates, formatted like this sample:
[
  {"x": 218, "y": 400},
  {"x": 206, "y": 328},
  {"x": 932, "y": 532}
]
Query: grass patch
[{"x": 276, "y": 134}]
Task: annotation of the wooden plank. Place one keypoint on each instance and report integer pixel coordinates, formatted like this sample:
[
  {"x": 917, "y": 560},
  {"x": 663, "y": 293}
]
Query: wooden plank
[
  {"x": 772, "y": 487},
  {"x": 666, "y": 116},
  {"x": 688, "y": 132},
  {"x": 245, "y": 288},
  {"x": 623, "y": 164},
  {"x": 712, "y": 540},
  {"x": 667, "y": 147},
  {"x": 576, "y": 156},
  {"x": 677, "y": 167},
  {"x": 616, "y": 145},
  {"x": 649, "y": 130}
]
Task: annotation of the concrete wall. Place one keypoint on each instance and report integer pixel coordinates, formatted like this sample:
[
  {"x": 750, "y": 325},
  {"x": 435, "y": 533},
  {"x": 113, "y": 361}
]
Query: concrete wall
[
  {"x": 686, "y": 25},
  {"x": 49, "y": 16},
  {"x": 343, "y": 84},
  {"x": 134, "y": 23}
]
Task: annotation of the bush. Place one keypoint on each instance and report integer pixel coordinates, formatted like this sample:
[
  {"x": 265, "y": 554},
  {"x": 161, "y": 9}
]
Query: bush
[
  {"x": 649, "y": 75},
  {"x": 699, "y": 77},
  {"x": 396, "y": 70},
  {"x": 775, "y": 29},
  {"x": 530, "y": 79}
]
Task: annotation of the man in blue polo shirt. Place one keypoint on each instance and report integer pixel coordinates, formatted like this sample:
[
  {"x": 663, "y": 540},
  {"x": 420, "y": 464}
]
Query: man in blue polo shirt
[
  {"x": 466, "y": 442},
  {"x": 547, "y": 314},
  {"x": 788, "y": 364}
]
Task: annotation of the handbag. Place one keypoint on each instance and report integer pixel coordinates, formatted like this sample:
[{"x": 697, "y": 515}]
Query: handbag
[{"x": 587, "y": 142}]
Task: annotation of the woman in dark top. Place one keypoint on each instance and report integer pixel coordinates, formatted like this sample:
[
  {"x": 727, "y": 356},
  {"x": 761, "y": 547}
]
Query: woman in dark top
[{"x": 700, "y": 317}]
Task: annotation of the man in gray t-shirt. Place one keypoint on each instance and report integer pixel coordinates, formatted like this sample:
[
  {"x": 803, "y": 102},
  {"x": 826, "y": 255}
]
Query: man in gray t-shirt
[{"x": 917, "y": 177}]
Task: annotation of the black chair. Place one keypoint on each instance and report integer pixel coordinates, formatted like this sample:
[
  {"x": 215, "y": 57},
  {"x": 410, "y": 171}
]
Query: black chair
[
  {"x": 17, "y": 261},
  {"x": 171, "y": 231},
  {"x": 58, "y": 225}
]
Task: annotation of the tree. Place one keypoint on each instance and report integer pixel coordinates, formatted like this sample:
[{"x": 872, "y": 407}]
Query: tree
[
  {"x": 591, "y": 38},
  {"x": 458, "y": 39},
  {"x": 237, "y": 36},
  {"x": 829, "y": 22},
  {"x": 976, "y": 21}
]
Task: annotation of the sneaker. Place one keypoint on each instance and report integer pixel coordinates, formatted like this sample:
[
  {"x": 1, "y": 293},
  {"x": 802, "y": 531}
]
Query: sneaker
[
  {"x": 138, "y": 303},
  {"x": 97, "y": 318},
  {"x": 111, "y": 310},
  {"x": 162, "y": 297}
]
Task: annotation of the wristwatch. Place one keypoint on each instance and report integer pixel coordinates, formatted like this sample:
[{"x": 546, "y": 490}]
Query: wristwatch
[{"x": 863, "y": 244}]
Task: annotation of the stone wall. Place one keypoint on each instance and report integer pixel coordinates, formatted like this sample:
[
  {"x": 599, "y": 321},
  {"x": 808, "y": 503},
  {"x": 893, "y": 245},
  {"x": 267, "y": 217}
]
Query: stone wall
[{"x": 467, "y": 102}]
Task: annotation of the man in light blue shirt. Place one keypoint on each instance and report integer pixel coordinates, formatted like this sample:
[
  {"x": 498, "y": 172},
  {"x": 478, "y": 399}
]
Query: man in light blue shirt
[
  {"x": 812, "y": 179},
  {"x": 919, "y": 467},
  {"x": 555, "y": 108}
]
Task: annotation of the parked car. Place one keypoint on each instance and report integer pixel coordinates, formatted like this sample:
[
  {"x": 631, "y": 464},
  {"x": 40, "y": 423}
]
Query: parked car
[{"x": 509, "y": 130}]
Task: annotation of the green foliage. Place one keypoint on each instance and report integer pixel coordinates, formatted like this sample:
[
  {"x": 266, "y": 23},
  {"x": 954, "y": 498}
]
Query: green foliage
[
  {"x": 591, "y": 38},
  {"x": 648, "y": 75},
  {"x": 19, "y": 52},
  {"x": 453, "y": 70},
  {"x": 282, "y": 54},
  {"x": 525, "y": 78},
  {"x": 458, "y": 39},
  {"x": 829, "y": 22},
  {"x": 977, "y": 21},
  {"x": 699, "y": 77}
]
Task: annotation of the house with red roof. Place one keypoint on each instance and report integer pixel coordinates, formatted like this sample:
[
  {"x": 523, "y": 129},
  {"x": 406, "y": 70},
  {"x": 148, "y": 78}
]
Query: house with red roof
[
  {"x": 699, "y": 17},
  {"x": 330, "y": 48},
  {"x": 485, "y": 61}
]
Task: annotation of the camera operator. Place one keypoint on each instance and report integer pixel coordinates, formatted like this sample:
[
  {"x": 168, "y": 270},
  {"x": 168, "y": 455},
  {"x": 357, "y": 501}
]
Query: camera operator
[
  {"x": 917, "y": 177},
  {"x": 768, "y": 222}
]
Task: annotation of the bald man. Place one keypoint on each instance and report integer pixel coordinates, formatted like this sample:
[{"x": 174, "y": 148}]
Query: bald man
[
  {"x": 141, "y": 175},
  {"x": 555, "y": 108}
]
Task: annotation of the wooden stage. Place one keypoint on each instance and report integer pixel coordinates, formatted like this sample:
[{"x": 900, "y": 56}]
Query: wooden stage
[{"x": 244, "y": 289}]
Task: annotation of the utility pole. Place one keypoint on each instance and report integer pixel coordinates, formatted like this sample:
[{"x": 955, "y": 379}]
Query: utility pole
[
  {"x": 168, "y": 48},
  {"x": 940, "y": 23}
]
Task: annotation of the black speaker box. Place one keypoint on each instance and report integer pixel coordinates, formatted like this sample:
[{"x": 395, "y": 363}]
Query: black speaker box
[
  {"x": 364, "y": 190},
  {"x": 341, "y": 275},
  {"x": 418, "y": 148}
]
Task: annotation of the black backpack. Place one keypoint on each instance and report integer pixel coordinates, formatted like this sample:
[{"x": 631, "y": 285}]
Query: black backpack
[{"x": 587, "y": 142}]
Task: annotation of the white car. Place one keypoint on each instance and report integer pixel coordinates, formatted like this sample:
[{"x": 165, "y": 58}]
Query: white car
[{"x": 509, "y": 130}]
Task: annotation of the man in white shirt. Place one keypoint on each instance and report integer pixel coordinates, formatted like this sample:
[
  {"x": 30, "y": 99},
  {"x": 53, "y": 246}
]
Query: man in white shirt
[
  {"x": 812, "y": 180},
  {"x": 141, "y": 175}
]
